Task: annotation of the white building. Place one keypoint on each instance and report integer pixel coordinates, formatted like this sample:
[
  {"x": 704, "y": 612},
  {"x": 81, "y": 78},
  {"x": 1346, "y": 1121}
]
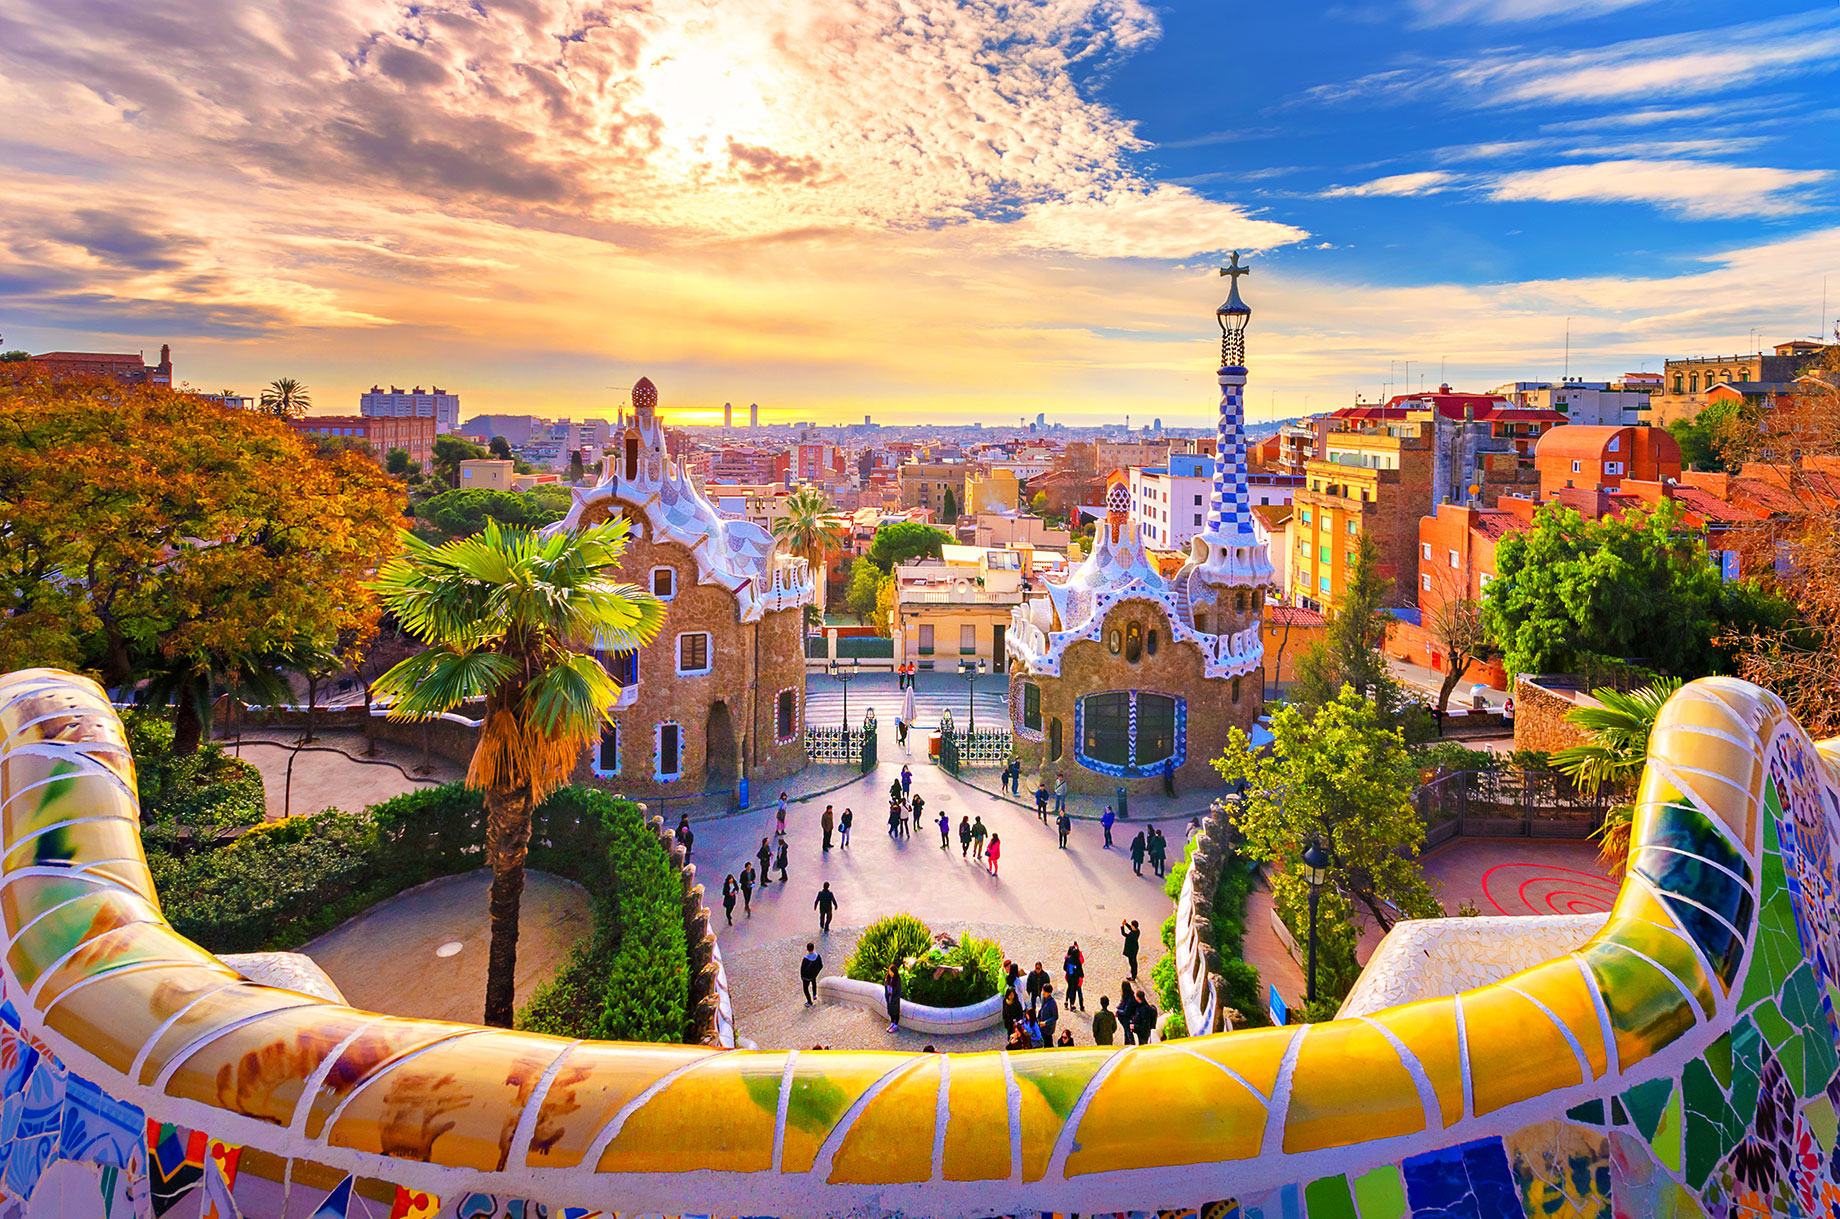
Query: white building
[
  {"x": 1169, "y": 502},
  {"x": 436, "y": 404},
  {"x": 1592, "y": 403}
]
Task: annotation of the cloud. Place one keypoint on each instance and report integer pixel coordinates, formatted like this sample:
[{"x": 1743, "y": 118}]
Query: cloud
[
  {"x": 1165, "y": 222},
  {"x": 1427, "y": 182},
  {"x": 1700, "y": 61},
  {"x": 1452, "y": 12},
  {"x": 1696, "y": 189}
]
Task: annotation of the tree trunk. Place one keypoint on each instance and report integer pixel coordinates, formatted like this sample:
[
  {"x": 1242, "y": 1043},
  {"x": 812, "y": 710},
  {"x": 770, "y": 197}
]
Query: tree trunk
[
  {"x": 507, "y": 844},
  {"x": 1453, "y": 673},
  {"x": 188, "y": 730},
  {"x": 370, "y": 725},
  {"x": 312, "y": 697}
]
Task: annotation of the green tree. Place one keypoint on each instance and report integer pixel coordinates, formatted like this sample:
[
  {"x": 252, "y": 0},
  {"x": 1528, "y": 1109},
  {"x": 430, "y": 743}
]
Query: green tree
[
  {"x": 500, "y": 448},
  {"x": 449, "y": 452},
  {"x": 1703, "y": 439},
  {"x": 811, "y": 530},
  {"x": 948, "y": 507},
  {"x": 1614, "y": 756},
  {"x": 576, "y": 470},
  {"x": 884, "y": 607},
  {"x": 865, "y": 581},
  {"x": 1343, "y": 777},
  {"x": 1039, "y": 505},
  {"x": 905, "y": 541},
  {"x": 1635, "y": 587},
  {"x": 285, "y": 398},
  {"x": 1348, "y": 654},
  {"x": 462, "y": 513},
  {"x": 502, "y": 612},
  {"x": 397, "y": 462},
  {"x": 1454, "y": 622}
]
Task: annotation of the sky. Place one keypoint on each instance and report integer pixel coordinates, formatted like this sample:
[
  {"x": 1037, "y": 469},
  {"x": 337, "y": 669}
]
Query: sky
[{"x": 917, "y": 210}]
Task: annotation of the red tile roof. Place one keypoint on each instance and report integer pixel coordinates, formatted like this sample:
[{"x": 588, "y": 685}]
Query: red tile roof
[
  {"x": 1496, "y": 525},
  {"x": 1292, "y": 615}
]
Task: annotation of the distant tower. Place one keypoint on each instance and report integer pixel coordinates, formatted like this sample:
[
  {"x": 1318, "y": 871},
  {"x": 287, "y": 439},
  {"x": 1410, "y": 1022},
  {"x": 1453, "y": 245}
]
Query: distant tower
[
  {"x": 1157, "y": 425},
  {"x": 1229, "y": 552},
  {"x": 753, "y": 414},
  {"x": 728, "y": 414}
]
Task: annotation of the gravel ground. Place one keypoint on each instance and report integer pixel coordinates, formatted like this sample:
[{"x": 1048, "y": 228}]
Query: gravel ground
[{"x": 764, "y": 988}]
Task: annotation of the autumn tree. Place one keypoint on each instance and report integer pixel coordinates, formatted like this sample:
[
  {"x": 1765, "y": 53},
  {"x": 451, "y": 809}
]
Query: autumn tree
[
  {"x": 1339, "y": 775},
  {"x": 1795, "y": 448},
  {"x": 153, "y": 535}
]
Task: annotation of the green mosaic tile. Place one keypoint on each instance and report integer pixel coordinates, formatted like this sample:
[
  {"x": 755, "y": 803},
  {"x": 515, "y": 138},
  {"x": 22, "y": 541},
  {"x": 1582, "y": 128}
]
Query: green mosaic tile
[
  {"x": 1819, "y": 1064},
  {"x": 1707, "y": 1116},
  {"x": 1666, "y": 1140},
  {"x": 1801, "y": 1000},
  {"x": 1773, "y": 802},
  {"x": 1790, "y": 1055},
  {"x": 1591, "y": 1113},
  {"x": 1718, "y": 1057},
  {"x": 1328, "y": 1198},
  {"x": 1771, "y": 1024},
  {"x": 1775, "y": 951},
  {"x": 1644, "y": 1104},
  {"x": 1746, "y": 1064},
  {"x": 1381, "y": 1194},
  {"x": 1822, "y": 1120}
]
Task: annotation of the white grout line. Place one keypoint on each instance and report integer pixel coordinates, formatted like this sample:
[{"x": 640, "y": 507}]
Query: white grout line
[
  {"x": 1606, "y": 1030},
  {"x": 1063, "y": 1145},
  {"x": 1272, "y": 1142},
  {"x": 833, "y": 1142},
  {"x": 779, "y": 1114},
  {"x": 611, "y": 1130},
  {"x": 1013, "y": 1092},
  {"x": 297, "y": 1123},
  {"x": 1585, "y": 1075},
  {"x": 942, "y": 1114},
  {"x": 1427, "y": 1095},
  {"x": 518, "y": 1149}
]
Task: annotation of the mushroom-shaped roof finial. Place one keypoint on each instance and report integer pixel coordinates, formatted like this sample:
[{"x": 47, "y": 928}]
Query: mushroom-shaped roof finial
[{"x": 644, "y": 394}]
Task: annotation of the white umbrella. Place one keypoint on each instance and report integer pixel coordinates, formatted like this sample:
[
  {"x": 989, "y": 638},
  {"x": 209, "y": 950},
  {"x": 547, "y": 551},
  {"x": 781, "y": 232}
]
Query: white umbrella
[{"x": 907, "y": 707}]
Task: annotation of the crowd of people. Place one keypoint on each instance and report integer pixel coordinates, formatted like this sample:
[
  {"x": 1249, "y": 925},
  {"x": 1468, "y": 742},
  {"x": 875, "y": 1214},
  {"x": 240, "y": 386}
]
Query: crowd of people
[{"x": 1032, "y": 1015}]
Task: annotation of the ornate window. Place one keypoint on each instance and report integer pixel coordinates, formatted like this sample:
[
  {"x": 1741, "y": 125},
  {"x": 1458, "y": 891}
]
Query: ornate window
[
  {"x": 1031, "y": 706},
  {"x": 668, "y": 752},
  {"x": 605, "y": 761},
  {"x": 1055, "y": 748},
  {"x": 1150, "y": 641},
  {"x": 1114, "y": 641},
  {"x": 786, "y": 716},
  {"x": 1201, "y": 622},
  {"x": 664, "y": 583},
  {"x": 694, "y": 655},
  {"x": 1133, "y": 641},
  {"x": 1236, "y": 690},
  {"x": 1130, "y": 732}
]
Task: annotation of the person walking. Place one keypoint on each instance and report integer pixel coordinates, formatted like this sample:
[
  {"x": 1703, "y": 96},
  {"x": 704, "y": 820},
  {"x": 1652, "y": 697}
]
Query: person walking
[
  {"x": 978, "y": 834},
  {"x": 1013, "y": 1011},
  {"x": 1169, "y": 777},
  {"x": 1194, "y": 828},
  {"x": 1143, "y": 1018},
  {"x": 1041, "y": 800},
  {"x": 1038, "y": 981},
  {"x": 1073, "y": 965},
  {"x": 1104, "y": 1025},
  {"x": 945, "y": 832},
  {"x": 826, "y": 823},
  {"x": 964, "y": 837},
  {"x": 894, "y": 792},
  {"x": 683, "y": 835},
  {"x": 994, "y": 852},
  {"x": 779, "y": 817},
  {"x": 919, "y": 807},
  {"x": 907, "y": 780},
  {"x": 900, "y": 731},
  {"x": 1127, "y": 1005},
  {"x": 779, "y": 861},
  {"x": 1158, "y": 847},
  {"x": 1507, "y": 712},
  {"x": 1132, "y": 936},
  {"x": 747, "y": 890},
  {"x": 826, "y": 905},
  {"x": 891, "y": 997},
  {"x": 1064, "y": 823},
  {"x": 765, "y": 856},
  {"x": 808, "y": 972},
  {"x": 1060, "y": 791},
  {"x": 843, "y": 828},
  {"x": 1137, "y": 853},
  {"x": 729, "y": 890},
  {"x": 1105, "y": 823}
]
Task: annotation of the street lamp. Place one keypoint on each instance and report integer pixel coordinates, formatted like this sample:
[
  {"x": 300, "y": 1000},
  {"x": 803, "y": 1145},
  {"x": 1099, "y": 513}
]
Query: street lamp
[
  {"x": 1316, "y": 867},
  {"x": 970, "y": 670},
  {"x": 846, "y": 675}
]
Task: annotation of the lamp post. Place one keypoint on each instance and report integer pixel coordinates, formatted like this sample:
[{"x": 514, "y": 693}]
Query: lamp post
[
  {"x": 971, "y": 670},
  {"x": 1316, "y": 866},
  {"x": 845, "y": 672}
]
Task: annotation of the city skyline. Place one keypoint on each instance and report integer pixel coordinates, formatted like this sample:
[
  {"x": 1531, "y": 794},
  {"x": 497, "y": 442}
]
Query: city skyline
[{"x": 937, "y": 211}]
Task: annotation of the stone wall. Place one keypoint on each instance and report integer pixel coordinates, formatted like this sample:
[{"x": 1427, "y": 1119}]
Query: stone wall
[
  {"x": 1539, "y": 716},
  {"x": 1089, "y": 667},
  {"x": 712, "y": 1015}
]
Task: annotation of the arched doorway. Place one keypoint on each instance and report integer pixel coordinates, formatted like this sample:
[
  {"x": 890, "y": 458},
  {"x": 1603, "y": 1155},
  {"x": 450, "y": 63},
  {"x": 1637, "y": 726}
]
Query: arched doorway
[{"x": 720, "y": 750}]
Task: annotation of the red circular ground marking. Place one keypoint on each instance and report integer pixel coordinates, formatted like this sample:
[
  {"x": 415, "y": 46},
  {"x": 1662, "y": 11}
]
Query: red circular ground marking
[{"x": 1555, "y": 890}]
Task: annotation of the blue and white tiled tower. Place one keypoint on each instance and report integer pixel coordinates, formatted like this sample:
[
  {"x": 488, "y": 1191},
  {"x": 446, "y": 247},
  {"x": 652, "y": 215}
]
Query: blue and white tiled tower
[{"x": 1229, "y": 553}]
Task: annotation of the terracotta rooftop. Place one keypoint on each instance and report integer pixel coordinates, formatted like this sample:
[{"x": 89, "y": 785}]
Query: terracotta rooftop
[{"x": 1292, "y": 615}]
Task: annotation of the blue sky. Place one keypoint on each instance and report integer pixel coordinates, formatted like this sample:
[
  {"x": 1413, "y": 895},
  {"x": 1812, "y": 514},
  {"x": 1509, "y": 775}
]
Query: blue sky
[{"x": 912, "y": 208}]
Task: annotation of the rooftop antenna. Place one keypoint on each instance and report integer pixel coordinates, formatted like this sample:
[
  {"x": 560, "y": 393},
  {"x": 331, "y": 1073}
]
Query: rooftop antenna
[{"x": 1568, "y": 349}]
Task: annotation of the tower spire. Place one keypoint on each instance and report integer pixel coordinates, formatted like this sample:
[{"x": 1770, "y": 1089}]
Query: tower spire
[{"x": 1230, "y": 514}]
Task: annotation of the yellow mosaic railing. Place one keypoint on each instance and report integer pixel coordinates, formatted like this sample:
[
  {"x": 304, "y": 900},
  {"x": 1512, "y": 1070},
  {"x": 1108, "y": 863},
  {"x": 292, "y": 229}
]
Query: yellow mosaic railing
[{"x": 307, "y": 1088}]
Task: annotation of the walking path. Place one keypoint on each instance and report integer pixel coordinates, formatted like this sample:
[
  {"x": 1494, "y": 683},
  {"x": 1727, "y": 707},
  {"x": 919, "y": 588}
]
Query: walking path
[{"x": 333, "y": 771}]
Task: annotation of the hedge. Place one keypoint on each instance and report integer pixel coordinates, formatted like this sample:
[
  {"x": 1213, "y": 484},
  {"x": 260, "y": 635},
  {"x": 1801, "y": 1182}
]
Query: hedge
[
  {"x": 205, "y": 791},
  {"x": 284, "y": 882},
  {"x": 899, "y": 937},
  {"x": 1228, "y": 915}
]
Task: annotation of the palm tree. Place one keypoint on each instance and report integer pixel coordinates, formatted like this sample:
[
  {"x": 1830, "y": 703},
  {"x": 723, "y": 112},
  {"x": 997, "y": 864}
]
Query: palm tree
[
  {"x": 810, "y": 529},
  {"x": 285, "y": 399},
  {"x": 501, "y": 612},
  {"x": 1614, "y": 756}
]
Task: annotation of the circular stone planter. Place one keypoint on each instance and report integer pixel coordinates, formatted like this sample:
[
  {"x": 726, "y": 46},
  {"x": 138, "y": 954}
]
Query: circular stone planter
[{"x": 918, "y": 1017}]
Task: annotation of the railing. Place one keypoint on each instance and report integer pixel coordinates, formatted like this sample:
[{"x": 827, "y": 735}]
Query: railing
[
  {"x": 973, "y": 747},
  {"x": 826, "y": 744},
  {"x": 1508, "y": 804},
  {"x": 953, "y": 597}
]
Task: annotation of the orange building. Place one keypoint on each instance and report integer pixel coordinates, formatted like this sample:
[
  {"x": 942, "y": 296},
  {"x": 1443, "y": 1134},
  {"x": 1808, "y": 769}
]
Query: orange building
[
  {"x": 1600, "y": 458},
  {"x": 415, "y": 434}
]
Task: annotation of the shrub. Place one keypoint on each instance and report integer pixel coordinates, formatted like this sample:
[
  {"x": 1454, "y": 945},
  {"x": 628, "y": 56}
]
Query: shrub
[
  {"x": 980, "y": 975},
  {"x": 1228, "y": 913},
  {"x": 206, "y": 791},
  {"x": 1452, "y": 756},
  {"x": 888, "y": 941}
]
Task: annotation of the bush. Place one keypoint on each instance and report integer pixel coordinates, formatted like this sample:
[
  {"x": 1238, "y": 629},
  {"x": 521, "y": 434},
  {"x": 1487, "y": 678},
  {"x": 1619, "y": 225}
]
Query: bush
[
  {"x": 980, "y": 975},
  {"x": 1228, "y": 914},
  {"x": 888, "y": 941},
  {"x": 1451, "y": 756},
  {"x": 206, "y": 791}
]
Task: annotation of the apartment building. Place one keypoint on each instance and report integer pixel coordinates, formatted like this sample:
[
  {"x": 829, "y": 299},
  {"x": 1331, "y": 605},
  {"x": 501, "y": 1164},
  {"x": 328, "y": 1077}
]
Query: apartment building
[
  {"x": 412, "y": 435},
  {"x": 434, "y": 403},
  {"x": 957, "y": 607},
  {"x": 1602, "y": 457},
  {"x": 1592, "y": 403}
]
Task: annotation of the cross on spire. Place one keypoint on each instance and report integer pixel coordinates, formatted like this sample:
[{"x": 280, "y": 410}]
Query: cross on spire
[{"x": 1234, "y": 269}]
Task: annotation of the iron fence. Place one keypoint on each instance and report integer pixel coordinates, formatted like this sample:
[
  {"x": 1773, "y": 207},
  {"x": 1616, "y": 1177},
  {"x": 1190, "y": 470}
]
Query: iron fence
[{"x": 1508, "y": 804}]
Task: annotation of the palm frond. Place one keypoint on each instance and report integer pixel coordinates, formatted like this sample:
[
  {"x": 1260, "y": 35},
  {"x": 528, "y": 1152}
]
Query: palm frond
[
  {"x": 571, "y": 698},
  {"x": 436, "y": 681}
]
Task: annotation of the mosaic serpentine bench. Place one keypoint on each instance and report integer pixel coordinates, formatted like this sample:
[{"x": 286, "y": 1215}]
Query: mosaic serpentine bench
[
  {"x": 1681, "y": 1061},
  {"x": 915, "y": 1017}
]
